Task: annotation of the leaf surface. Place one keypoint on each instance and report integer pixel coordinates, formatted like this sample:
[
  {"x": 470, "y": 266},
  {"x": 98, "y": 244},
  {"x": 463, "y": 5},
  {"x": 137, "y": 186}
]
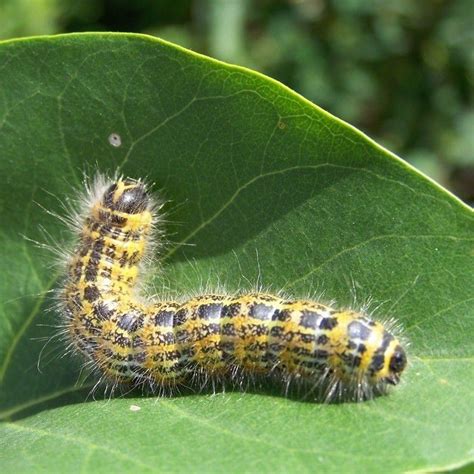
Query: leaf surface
[{"x": 262, "y": 188}]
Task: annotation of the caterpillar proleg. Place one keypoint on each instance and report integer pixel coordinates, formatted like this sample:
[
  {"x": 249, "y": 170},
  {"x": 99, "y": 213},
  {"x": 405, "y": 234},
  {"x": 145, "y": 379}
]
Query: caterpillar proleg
[{"x": 165, "y": 344}]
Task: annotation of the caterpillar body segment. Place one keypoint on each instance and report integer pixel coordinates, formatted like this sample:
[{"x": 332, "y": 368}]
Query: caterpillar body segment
[{"x": 169, "y": 343}]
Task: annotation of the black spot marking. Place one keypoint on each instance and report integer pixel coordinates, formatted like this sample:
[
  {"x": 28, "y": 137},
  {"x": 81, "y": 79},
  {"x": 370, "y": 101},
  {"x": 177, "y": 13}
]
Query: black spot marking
[
  {"x": 352, "y": 361},
  {"x": 214, "y": 328},
  {"x": 262, "y": 311},
  {"x": 209, "y": 311},
  {"x": 103, "y": 311},
  {"x": 85, "y": 247},
  {"x": 309, "y": 319},
  {"x": 386, "y": 340},
  {"x": 91, "y": 293},
  {"x": 138, "y": 342},
  {"x": 166, "y": 338},
  {"x": 182, "y": 336},
  {"x": 134, "y": 258},
  {"x": 258, "y": 329},
  {"x": 96, "y": 253},
  {"x": 77, "y": 271},
  {"x": 107, "y": 229},
  {"x": 322, "y": 340},
  {"x": 180, "y": 317},
  {"x": 215, "y": 297},
  {"x": 308, "y": 338},
  {"x": 231, "y": 310},
  {"x": 110, "y": 251},
  {"x": 268, "y": 298},
  {"x": 164, "y": 318},
  {"x": 130, "y": 322},
  {"x": 118, "y": 220},
  {"x": 123, "y": 259},
  {"x": 377, "y": 362},
  {"x": 276, "y": 348},
  {"x": 121, "y": 369},
  {"x": 279, "y": 315},
  {"x": 351, "y": 345},
  {"x": 301, "y": 351},
  {"x": 91, "y": 273},
  {"x": 121, "y": 340},
  {"x": 108, "y": 353},
  {"x": 228, "y": 330},
  {"x": 277, "y": 331},
  {"x": 139, "y": 359},
  {"x": 106, "y": 272},
  {"x": 320, "y": 354},
  {"x": 328, "y": 323},
  {"x": 358, "y": 330},
  {"x": 361, "y": 348},
  {"x": 108, "y": 199}
]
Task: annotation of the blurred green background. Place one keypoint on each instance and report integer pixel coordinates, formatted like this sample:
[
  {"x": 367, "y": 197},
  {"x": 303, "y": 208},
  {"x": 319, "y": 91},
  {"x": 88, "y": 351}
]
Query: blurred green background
[{"x": 401, "y": 71}]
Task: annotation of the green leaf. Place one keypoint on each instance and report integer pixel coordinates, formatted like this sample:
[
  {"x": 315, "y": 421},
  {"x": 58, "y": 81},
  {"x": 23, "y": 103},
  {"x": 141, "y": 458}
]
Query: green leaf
[{"x": 262, "y": 187}]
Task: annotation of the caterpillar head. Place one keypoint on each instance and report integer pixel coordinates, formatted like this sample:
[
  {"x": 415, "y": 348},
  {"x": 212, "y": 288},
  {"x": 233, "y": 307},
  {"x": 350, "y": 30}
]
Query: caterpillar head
[
  {"x": 396, "y": 365},
  {"x": 127, "y": 196},
  {"x": 386, "y": 359},
  {"x": 369, "y": 356},
  {"x": 125, "y": 204}
]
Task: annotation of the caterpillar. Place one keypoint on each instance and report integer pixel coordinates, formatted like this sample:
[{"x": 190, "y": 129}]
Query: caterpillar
[{"x": 339, "y": 354}]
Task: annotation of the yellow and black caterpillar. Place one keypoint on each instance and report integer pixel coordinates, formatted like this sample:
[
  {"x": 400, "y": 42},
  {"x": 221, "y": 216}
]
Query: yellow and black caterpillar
[{"x": 168, "y": 343}]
